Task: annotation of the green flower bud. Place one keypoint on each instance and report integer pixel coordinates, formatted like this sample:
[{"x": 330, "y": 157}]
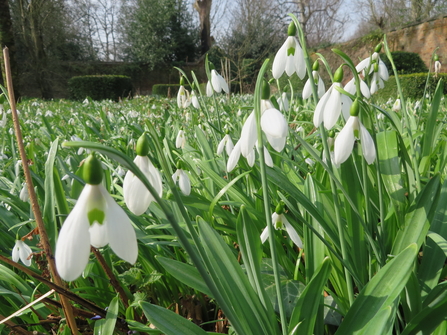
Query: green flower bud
[
  {"x": 211, "y": 66},
  {"x": 279, "y": 208},
  {"x": 2, "y": 98},
  {"x": 316, "y": 66},
  {"x": 182, "y": 80},
  {"x": 142, "y": 148},
  {"x": 435, "y": 58},
  {"x": 179, "y": 165},
  {"x": 331, "y": 133},
  {"x": 338, "y": 75},
  {"x": 92, "y": 170},
  {"x": 376, "y": 67},
  {"x": 291, "y": 31},
  {"x": 265, "y": 90},
  {"x": 378, "y": 47},
  {"x": 355, "y": 108}
]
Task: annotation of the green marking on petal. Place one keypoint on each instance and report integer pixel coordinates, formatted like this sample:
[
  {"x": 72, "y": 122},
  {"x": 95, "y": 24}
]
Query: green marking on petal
[
  {"x": 356, "y": 133},
  {"x": 96, "y": 215},
  {"x": 290, "y": 51}
]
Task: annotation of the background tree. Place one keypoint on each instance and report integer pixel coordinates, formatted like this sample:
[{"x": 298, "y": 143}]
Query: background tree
[
  {"x": 203, "y": 7},
  {"x": 158, "y": 31}
]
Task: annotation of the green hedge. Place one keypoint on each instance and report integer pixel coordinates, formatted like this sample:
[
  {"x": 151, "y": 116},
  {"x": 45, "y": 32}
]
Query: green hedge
[
  {"x": 167, "y": 89},
  {"x": 406, "y": 62},
  {"x": 412, "y": 86},
  {"x": 100, "y": 87}
]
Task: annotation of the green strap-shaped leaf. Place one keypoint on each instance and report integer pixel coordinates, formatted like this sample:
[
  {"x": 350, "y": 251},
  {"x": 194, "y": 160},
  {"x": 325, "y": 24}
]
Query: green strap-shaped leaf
[
  {"x": 381, "y": 292},
  {"x": 187, "y": 274},
  {"x": 417, "y": 220},
  {"x": 107, "y": 326},
  {"x": 169, "y": 322},
  {"x": 305, "y": 312}
]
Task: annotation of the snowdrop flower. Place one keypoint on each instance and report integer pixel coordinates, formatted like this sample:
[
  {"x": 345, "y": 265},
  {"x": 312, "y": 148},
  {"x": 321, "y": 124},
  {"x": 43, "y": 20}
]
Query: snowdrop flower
[
  {"x": 307, "y": 90},
  {"x": 184, "y": 183},
  {"x": 48, "y": 113},
  {"x": 280, "y": 221},
  {"x": 86, "y": 102},
  {"x": 376, "y": 80},
  {"x": 370, "y": 63},
  {"x": 354, "y": 129},
  {"x": 396, "y": 106},
  {"x": 216, "y": 84},
  {"x": 136, "y": 196},
  {"x": 437, "y": 65},
  {"x": 273, "y": 124},
  {"x": 284, "y": 102},
  {"x": 183, "y": 99},
  {"x": 233, "y": 158},
  {"x": 95, "y": 220},
  {"x": 24, "y": 194},
  {"x": 226, "y": 143},
  {"x": 289, "y": 57},
  {"x": 23, "y": 252},
  {"x": 364, "y": 89},
  {"x": 195, "y": 100},
  {"x": 332, "y": 103},
  {"x": 77, "y": 139},
  {"x": 180, "y": 141}
]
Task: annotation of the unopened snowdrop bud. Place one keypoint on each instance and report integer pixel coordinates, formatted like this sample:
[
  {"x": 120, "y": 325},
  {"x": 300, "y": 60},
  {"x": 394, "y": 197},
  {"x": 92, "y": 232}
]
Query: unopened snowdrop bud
[
  {"x": 338, "y": 75},
  {"x": 96, "y": 220},
  {"x": 265, "y": 90},
  {"x": 291, "y": 29},
  {"x": 396, "y": 105},
  {"x": 23, "y": 252},
  {"x": 142, "y": 147},
  {"x": 378, "y": 48}
]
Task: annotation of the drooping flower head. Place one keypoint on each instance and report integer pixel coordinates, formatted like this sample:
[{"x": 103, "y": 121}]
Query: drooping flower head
[
  {"x": 316, "y": 79},
  {"x": 23, "y": 252},
  {"x": 353, "y": 129},
  {"x": 332, "y": 103},
  {"x": 96, "y": 220},
  {"x": 375, "y": 65},
  {"x": 180, "y": 140},
  {"x": 437, "y": 65},
  {"x": 182, "y": 178},
  {"x": 217, "y": 83},
  {"x": 290, "y": 57},
  {"x": 280, "y": 222},
  {"x": 136, "y": 196}
]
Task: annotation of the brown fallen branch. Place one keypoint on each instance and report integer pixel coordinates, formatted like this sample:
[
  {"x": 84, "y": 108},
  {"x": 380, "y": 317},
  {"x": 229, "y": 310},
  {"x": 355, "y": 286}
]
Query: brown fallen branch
[{"x": 17, "y": 329}]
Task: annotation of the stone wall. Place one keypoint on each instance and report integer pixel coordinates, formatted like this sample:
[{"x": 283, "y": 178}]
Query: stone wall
[{"x": 422, "y": 38}]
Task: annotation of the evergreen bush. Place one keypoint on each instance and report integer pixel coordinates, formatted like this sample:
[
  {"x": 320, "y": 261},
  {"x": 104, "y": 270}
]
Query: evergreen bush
[
  {"x": 413, "y": 86},
  {"x": 406, "y": 62},
  {"x": 100, "y": 87},
  {"x": 165, "y": 90}
]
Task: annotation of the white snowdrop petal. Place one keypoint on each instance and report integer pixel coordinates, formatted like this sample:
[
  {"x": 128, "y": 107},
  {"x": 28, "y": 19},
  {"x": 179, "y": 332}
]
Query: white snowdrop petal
[
  {"x": 268, "y": 158},
  {"x": 265, "y": 234},
  {"x": 251, "y": 158},
  {"x": 121, "y": 234},
  {"x": 221, "y": 146},
  {"x": 277, "y": 143},
  {"x": 209, "y": 89},
  {"x": 25, "y": 251},
  {"x": 184, "y": 183},
  {"x": 292, "y": 233},
  {"x": 346, "y": 103},
  {"x": 273, "y": 123},
  {"x": 248, "y": 135},
  {"x": 99, "y": 234},
  {"x": 234, "y": 157},
  {"x": 368, "y": 147},
  {"x": 229, "y": 146},
  {"x": 332, "y": 109},
  {"x": 319, "y": 110},
  {"x": 73, "y": 244},
  {"x": 307, "y": 90},
  {"x": 365, "y": 89},
  {"x": 321, "y": 87},
  {"x": 279, "y": 62},
  {"x": 15, "y": 252},
  {"x": 344, "y": 142},
  {"x": 215, "y": 81}
]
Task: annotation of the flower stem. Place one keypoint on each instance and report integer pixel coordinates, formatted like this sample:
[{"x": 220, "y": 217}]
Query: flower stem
[{"x": 33, "y": 198}]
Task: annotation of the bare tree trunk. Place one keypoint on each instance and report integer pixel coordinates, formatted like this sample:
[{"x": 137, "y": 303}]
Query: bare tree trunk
[
  {"x": 7, "y": 40},
  {"x": 203, "y": 7}
]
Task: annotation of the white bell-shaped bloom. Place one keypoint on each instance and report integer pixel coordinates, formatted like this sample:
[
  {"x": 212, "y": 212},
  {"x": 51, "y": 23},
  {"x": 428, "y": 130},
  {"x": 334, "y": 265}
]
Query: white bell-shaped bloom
[
  {"x": 396, "y": 106},
  {"x": 218, "y": 84},
  {"x": 284, "y": 102},
  {"x": 182, "y": 178},
  {"x": 289, "y": 58},
  {"x": 344, "y": 142},
  {"x": 180, "y": 140},
  {"x": 226, "y": 143},
  {"x": 95, "y": 220},
  {"x": 307, "y": 90},
  {"x": 364, "y": 89},
  {"x": 136, "y": 196},
  {"x": 279, "y": 221},
  {"x": 376, "y": 82},
  {"x": 331, "y": 104},
  {"x": 4, "y": 119},
  {"x": 23, "y": 252},
  {"x": 195, "y": 100},
  {"x": 183, "y": 98},
  {"x": 24, "y": 194},
  {"x": 437, "y": 67}
]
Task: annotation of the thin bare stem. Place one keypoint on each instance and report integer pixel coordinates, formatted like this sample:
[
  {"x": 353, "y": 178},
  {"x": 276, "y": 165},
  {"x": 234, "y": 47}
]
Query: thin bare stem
[{"x": 33, "y": 198}]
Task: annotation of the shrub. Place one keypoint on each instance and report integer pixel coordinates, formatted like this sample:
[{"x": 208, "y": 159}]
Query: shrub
[
  {"x": 100, "y": 87},
  {"x": 167, "y": 89},
  {"x": 406, "y": 62},
  {"x": 412, "y": 86}
]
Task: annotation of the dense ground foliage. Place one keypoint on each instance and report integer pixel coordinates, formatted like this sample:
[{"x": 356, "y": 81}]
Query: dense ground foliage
[{"x": 368, "y": 259}]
